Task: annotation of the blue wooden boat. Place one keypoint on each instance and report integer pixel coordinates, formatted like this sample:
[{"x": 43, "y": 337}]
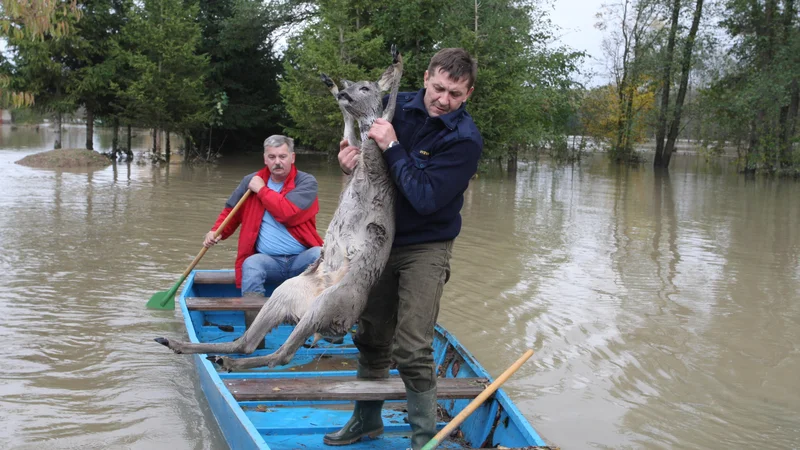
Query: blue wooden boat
[{"x": 292, "y": 406}]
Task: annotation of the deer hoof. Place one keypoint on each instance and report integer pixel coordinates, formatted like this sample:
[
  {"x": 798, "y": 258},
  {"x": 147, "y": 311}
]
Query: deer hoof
[
  {"x": 327, "y": 80},
  {"x": 165, "y": 343}
]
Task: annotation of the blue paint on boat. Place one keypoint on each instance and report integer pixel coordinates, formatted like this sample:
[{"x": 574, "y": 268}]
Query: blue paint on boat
[{"x": 301, "y": 424}]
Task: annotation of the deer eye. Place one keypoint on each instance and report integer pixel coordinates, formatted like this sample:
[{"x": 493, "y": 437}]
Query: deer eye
[{"x": 364, "y": 89}]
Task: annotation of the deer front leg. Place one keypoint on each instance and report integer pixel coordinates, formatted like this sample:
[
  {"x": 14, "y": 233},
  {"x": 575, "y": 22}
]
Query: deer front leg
[{"x": 270, "y": 316}]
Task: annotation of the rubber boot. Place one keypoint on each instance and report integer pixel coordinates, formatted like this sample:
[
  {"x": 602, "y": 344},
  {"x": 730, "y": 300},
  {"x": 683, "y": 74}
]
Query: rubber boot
[
  {"x": 421, "y": 417},
  {"x": 366, "y": 421}
]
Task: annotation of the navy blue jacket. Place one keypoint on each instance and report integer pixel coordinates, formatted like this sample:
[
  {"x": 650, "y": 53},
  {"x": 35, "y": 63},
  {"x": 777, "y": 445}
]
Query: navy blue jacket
[{"x": 431, "y": 168}]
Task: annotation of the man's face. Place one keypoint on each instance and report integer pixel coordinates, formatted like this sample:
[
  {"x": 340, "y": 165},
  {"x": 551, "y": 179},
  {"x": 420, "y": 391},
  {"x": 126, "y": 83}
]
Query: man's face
[
  {"x": 279, "y": 160},
  {"x": 443, "y": 95}
]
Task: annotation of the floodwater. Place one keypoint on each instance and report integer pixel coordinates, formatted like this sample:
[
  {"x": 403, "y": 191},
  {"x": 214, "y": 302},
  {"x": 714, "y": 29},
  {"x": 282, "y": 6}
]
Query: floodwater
[{"x": 664, "y": 311}]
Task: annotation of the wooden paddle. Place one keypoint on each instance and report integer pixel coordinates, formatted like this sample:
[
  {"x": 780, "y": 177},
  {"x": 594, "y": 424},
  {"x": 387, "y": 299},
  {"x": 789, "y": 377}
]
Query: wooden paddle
[
  {"x": 166, "y": 299},
  {"x": 473, "y": 405}
]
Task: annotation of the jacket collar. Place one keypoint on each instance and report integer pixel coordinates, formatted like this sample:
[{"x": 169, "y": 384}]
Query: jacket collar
[
  {"x": 288, "y": 183},
  {"x": 450, "y": 120}
]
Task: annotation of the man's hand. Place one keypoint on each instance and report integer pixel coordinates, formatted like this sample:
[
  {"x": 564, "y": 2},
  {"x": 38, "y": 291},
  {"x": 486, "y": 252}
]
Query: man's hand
[
  {"x": 210, "y": 240},
  {"x": 382, "y": 132},
  {"x": 348, "y": 156},
  {"x": 256, "y": 184}
]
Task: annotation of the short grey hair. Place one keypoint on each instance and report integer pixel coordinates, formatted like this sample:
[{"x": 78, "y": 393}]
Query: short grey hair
[{"x": 276, "y": 140}]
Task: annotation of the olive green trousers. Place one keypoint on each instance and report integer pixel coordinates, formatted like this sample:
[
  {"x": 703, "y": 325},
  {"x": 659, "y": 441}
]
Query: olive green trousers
[{"x": 398, "y": 321}]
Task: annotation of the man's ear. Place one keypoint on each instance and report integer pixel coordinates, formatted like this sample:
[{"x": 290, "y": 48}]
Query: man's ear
[{"x": 469, "y": 92}]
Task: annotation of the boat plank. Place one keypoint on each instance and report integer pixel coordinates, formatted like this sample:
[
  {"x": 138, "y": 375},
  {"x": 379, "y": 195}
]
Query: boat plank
[
  {"x": 223, "y": 277},
  {"x": 344, "y": 388},
  {"x": 225, "y": 303}
]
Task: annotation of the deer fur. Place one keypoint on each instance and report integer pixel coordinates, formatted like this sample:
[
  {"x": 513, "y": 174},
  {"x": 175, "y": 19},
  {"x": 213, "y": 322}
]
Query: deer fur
[{"x": 330, "y": 295}]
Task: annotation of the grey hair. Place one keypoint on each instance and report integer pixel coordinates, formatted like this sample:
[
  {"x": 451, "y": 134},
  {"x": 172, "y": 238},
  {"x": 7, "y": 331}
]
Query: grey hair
[{"x": 276, "y": 140}]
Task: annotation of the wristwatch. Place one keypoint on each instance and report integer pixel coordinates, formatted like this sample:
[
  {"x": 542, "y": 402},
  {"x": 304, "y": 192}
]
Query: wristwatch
[{"x": 392, "y": 144}]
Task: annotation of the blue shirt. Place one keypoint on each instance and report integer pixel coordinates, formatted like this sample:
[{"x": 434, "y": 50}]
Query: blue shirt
[{"x": 273, "y": 238}]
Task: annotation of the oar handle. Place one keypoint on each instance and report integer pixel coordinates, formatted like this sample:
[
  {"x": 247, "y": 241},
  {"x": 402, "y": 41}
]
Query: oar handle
[
  {"x": 217, "y": 233},
  {"x": 473, "y": 405}
]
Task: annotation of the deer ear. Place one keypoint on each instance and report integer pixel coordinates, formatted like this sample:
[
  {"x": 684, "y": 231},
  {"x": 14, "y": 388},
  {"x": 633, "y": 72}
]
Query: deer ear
[
  {"x": 346, "y": 83},
  {"x": 385, "y": 82}
]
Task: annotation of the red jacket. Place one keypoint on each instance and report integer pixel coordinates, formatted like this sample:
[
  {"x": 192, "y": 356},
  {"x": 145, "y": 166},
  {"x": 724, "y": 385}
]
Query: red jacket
[{"x": 295, "y": 206}]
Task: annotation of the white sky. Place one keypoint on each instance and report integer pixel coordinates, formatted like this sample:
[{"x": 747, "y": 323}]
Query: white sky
[{"x": 576, "y": 18}]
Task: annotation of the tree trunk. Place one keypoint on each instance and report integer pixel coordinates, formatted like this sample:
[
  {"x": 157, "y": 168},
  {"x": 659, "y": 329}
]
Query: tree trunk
[
  {"x": 130, "y": 152},
  {"x": 57, "y": 143},
  {"x": 115, "y": 139},
  {"x": 187, "y": 149},
  {"x": 686, "y": 66},
  {"x": 511, "y": 164},
  {"x": 208, "y": 155},
  {"x": 89, "y": 129},
  {"x": 166, "y": 146},
  {"x": 666, "y": 84},
  {"x": 156, "y": 142}
]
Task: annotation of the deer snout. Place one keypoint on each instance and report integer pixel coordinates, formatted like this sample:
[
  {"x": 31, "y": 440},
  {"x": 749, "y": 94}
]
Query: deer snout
[{"x": 344, "y": 96}]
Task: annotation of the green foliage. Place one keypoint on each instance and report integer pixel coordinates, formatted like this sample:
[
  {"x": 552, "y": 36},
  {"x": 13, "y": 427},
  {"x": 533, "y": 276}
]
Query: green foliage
[
  {"x": 523, "y": 92},
  {"x": 342, "y": 45},
  {"x": 167, "y": 89},
  {"x": 42, "y": 67},
  {"x": 239, "y": 38},
  {"x": 753, "y": 100}
]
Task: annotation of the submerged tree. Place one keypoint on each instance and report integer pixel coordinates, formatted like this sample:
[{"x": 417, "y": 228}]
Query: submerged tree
[{"x": 670, "y": 115}]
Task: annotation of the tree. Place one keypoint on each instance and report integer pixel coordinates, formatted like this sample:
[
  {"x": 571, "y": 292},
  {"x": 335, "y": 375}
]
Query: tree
[
  {"x": 33, "y": 20},
  {"x": 239, "y": 38},
  {"x": 670, "y": 116},
  {"x": 629, "y": 49},
  {"x": 167, "y": 90},
  {"x": 761, "y": 89},
  {"x": 521, "y": 90},
  {"x": 344, "y": 45},
  {"x": 42, "y": 68}
]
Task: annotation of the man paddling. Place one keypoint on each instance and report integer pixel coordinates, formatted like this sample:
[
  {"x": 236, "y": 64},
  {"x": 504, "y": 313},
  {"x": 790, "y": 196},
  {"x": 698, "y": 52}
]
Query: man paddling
[{"x": 279, "y": 236}]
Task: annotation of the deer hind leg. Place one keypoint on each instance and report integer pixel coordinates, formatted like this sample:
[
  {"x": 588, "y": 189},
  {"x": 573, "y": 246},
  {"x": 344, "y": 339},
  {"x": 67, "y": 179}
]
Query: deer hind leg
[
  {"x": 296, "y": 297},
  {"x": 320, "y": 315}
]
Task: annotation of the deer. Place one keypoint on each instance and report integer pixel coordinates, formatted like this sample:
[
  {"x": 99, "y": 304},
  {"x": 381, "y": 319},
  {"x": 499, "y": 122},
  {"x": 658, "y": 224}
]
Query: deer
[{"x": 330, "y": 295}]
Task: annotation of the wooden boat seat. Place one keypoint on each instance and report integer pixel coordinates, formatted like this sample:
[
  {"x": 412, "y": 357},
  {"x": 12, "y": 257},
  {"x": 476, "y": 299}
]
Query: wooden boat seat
[
  {"x": 214, "y": 278},
  {"x": 344, "y": 388},
  {"x": 225, "y": 303}
]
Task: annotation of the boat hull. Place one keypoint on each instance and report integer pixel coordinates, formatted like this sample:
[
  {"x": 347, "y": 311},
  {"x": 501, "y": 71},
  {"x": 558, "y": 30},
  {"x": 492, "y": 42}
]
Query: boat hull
[{"x": 257, "y": 415}]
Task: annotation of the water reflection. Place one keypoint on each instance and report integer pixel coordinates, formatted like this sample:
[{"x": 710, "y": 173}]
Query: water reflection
[{"x": 656, "y": 303}]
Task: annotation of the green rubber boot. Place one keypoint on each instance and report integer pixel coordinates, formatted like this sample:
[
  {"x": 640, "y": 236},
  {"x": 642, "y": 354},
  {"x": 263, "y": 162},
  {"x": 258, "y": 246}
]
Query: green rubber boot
[
  {"x": 421, "y": 417},
  {"x": 366, "y": 421}
]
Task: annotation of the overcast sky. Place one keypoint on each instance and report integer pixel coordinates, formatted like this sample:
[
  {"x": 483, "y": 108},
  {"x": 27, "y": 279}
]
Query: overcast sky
[{"x": 576, "y": 19}]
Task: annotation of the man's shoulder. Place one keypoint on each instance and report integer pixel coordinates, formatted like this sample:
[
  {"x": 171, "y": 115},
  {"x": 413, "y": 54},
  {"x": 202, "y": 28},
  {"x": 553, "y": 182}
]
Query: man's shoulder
[
  {"x": 402, "y": 98},
  {"x": 246, "y": 179},
  {"x": 467, "y": 130},
  {"x": 304, "y": 177},
  {"x": 405, "y": 97}
]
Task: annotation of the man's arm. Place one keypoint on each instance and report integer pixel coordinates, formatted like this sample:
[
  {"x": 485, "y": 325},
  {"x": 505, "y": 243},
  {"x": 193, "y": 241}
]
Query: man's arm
[
  {"x": 444, "y": 176},
  {"x": 232, "y": 201},
  {"x": 296, "y": 207}
]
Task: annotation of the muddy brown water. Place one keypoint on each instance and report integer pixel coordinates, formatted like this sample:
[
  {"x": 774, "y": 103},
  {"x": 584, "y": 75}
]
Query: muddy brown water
[{"x": 664, "y": 311}]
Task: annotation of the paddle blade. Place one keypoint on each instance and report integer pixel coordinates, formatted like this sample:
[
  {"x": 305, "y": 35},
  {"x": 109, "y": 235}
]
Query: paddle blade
[{"x": 164, "y": 300}]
